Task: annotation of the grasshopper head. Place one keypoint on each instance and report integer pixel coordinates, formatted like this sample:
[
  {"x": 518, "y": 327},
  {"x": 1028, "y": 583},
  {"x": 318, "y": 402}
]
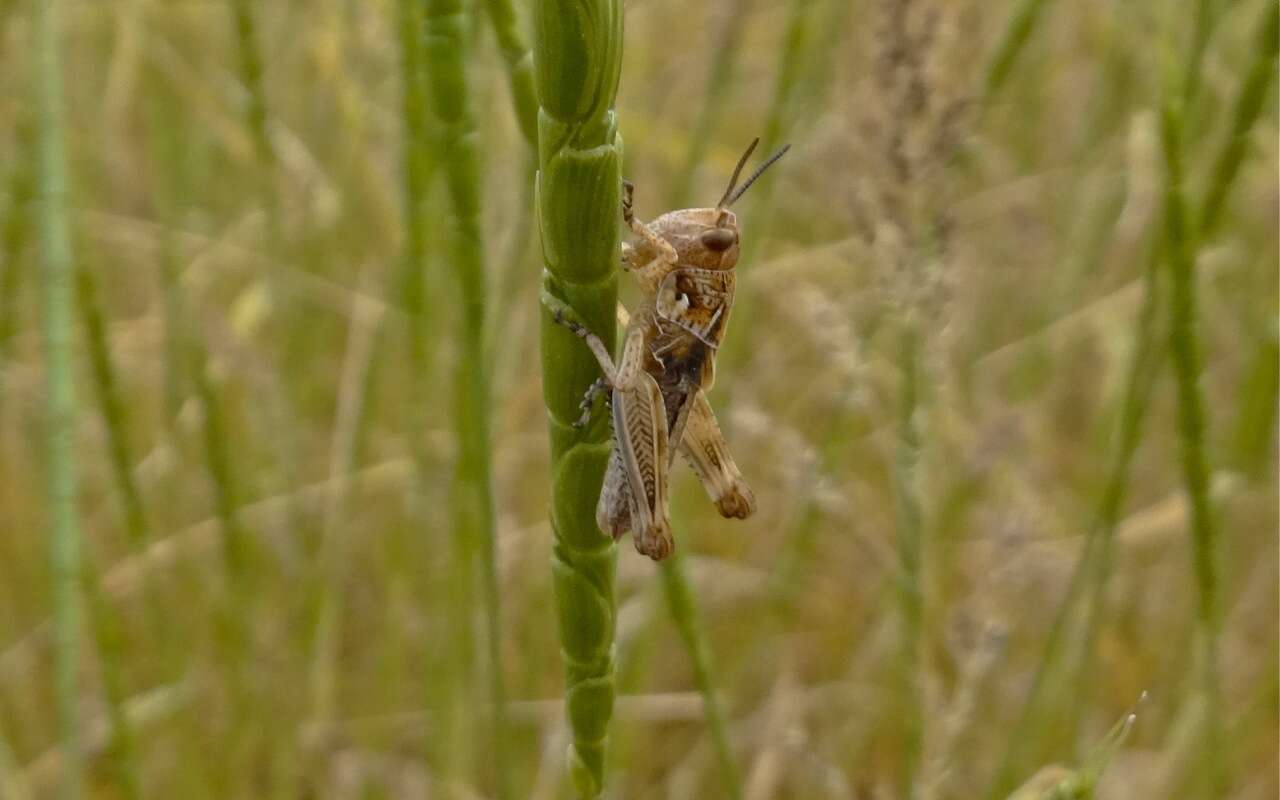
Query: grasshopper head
[
  {"x": 708, "y": 237},
  {"x": 702, "y": 237}
]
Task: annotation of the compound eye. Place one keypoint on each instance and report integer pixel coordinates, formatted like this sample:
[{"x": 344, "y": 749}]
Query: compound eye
[{"x": 719, "y": 239}]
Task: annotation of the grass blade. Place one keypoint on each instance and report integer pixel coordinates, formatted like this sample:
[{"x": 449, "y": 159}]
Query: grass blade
[
  {"x": 719, "y": 88},
  {"x": 445, "y": 26},
  {"x": 1148, "y": 351},
  {"x": 250, "y": 63},
  {"x": 910, "y": 554},
  {"x": 13, "y": 238},
  {"x": 113, "y": 413},
  {"x": 1248, "y": 107},
  {"x": 1184, "y": 348},
  {"x": 57, "y": 270},
  {"x": 684, "y": 613},
  {"x": 1090, "y": 571},
  {"x": 519, "y": 61},
  {"x": 1012, "y": 40}
]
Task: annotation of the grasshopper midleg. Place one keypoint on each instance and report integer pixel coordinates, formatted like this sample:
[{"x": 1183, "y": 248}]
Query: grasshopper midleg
[{"x": 598, "y": 386}]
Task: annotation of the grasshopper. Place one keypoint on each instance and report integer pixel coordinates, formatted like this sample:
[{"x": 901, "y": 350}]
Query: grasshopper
[{"x": 684, "y": 262}]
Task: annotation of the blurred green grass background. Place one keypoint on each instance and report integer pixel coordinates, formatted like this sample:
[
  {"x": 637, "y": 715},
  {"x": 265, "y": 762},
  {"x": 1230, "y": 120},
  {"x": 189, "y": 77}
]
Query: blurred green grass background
[{"x": 266, "y": 444}]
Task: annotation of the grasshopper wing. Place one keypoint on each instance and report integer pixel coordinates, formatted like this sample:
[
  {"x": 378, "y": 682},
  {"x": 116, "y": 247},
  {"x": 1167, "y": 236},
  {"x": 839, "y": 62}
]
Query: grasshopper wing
[
  {"x": 703, "y": 446},
  {"x": 698, "y": 300}
]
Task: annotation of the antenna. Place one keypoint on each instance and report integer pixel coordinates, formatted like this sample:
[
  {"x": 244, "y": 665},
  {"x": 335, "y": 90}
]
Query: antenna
[
  {"x": 733, "y": 181},
  {"x": 754, "y": 176}
]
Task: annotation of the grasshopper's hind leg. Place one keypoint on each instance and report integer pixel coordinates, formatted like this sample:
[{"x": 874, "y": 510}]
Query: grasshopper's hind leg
[
  {"x": 703, "y": 446},
  {"x": 641, "y": 449},
  {"x": 637, "y": 474},
  {"x": 641, "y": 444},
  {"x": 634, "y": 494},
  {"x": 613, "y": 511}
]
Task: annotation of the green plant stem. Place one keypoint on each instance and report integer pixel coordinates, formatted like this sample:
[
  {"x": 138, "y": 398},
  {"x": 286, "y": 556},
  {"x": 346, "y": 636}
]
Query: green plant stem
[
  {"x": 1148, "y": 353},
  {"x": 334, "y": 548},
  {"x": 781, "y": 110},
  {"x": 716, "y": 92},
  {"x": 684, "y": 613},
  {"x": 106, "y": 626},
  {"x": 1252, "y": 433},
  {"x": 1012, "y": 40},
  {"x": 232, "y": 620},
  {"x": 519, "y": 62},
  {"x": 1091, "y": 570},
  {"x": 416, "y": 165},
  {"x": 108, "y": 634},
  {"x": 520, "y": 76},
  {"x": 1079, "y": 784},
  {"x": 1185, "y": 350},
  {"x": 174, "y": 357},
  {"x": 168, "y": 147},
  {"x": 416, "y": 174},
  {"x": 13, "y": 238},
  {"x": 411, "y": 287},
  {"x": 1245, "y": 112},
  {"x": 1201, "y": 28},
  {"x": 789, "y": 71},
  {"x": 445, "y": 27},
  {"x": 250, "y": 63},
  {"x": 1094, "y": 567},
  {"x": 113, "y": 413},
  {"x": 226, "y": 494},
  {"x": 285, "y": 448},
  {"x": 830, "y": 29},
  {"x": 577, "y": 65},
  {"x": 910, "y": 552},
  {"x": 64, "y": 523}
]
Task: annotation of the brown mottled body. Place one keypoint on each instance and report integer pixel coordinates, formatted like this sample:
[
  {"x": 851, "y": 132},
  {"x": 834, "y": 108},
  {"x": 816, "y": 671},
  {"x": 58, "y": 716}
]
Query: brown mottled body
[{"x": 684, "y": 262}]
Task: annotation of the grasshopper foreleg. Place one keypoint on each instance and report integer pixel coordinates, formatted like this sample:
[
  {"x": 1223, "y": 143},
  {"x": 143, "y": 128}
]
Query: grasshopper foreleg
[{"x": 659, "y": 254}]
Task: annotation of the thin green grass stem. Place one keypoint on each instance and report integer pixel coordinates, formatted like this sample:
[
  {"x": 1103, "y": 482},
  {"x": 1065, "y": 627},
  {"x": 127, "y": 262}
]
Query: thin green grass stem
[
  {"x": 519, "y": 63},
  {"x": 1184, "y": 348},
  {"x": 684, "y": 613},
  {"x": 716, "y": 92},
  {"x": 58, "y": 273},
  {"x": 446, "y": 36},
  {"x": 910, "y": 555},
  {"x": 1017, "y": 32}
]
